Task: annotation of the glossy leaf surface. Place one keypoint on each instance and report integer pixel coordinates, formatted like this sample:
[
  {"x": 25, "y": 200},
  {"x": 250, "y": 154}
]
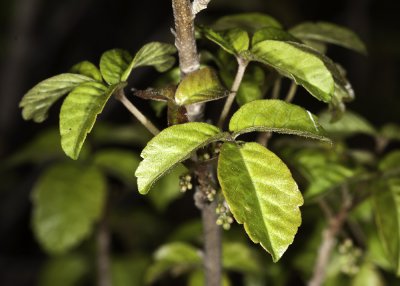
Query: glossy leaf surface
[
  {"x": 78, "y": 114},
  {"x": 170, "y": 147},
  {"x": 113, "y": 64},
  {"x": 37, "y": 101},
  {"x": 299, "y": 63},
  {"x": 68, "y": 199},
  {"x": 277, "y": 116},
  {"x": 329, "y": 33},
  {"x": 88, "y": 69},
  {"x": 261, "y": 194},
  {"x": 199, "y": 86},
  {"x": 156, "y": 54}
]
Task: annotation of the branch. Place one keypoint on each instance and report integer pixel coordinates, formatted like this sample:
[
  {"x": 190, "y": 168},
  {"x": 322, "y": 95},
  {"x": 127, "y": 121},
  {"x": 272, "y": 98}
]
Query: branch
[
  {"x": 103, "y": 254},
  {"x": 199, "y": 5},
  {"x": 120, "y": 95},
  {"x": 235, "y": 87}
]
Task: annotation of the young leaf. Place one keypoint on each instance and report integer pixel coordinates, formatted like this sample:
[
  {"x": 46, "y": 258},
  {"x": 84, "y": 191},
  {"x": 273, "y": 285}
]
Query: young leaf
[
  {"x": 276, "y": 115},
  {"x": 272, "y": 33},
  {"x": 199, "y": 86},
  {"x": 159, "y": 55},
  {"x": 176, "y": 255},
  {"x": 350, "y": 124},
  {"x": 251, "y": 22},
  {"x": 299, "y": 63},
  {"x": 261, "y": 194},
  {"x": 113, "y": 65},
  {"x": 67, "y": 199},
  {"x": 170, "y": 147},
  {"x": 79, "y": 112},
  {"x": 37, "y": 101},
  {"x": 233, "y": 41},
  {"x": 88, "y": 69},
  {"x": 329, "y": 33},
  {"x": 119, "y": 163}
]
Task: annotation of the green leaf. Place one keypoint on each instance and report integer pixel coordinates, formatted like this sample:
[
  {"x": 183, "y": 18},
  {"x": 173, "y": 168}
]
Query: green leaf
[
  {"x": 390, "y": 161},
  {"x": 329, "y": 33},
  {"x": 299, "y": 63},
  {"x": 391, "y": 131},
  {"x": 119, "y": 163},
  {"x": 79, "y": 112},
  {"x": 386, "y": 198},
  {"x": 113, "y": 64},
  {"x": 239, "y": 257},
  {"x": 37, "y": 101},
  {"x": 272, "y": 33},
  {"x": 132, "y": 134},
  {"x": 170, "y": 147},
  {"x": 88, "y": 69},
  {"x": 233, "y": 41},
  {"x": 167, "y": 189},
  {"x": 350, "y": 124},
  {"x": 63, "y": 271},
  {"x": 197, "y": 278},
  {"x": 68, "y": 199},
  {"x": 261, "y": 194},
  {"x": 278, "y": 116},
  {"x": 251, "y": 22},
  {"x": 177, "y": 257},
  {"x": 199, "y": 86},
  {"x": 368, "y": 275},
  {"x": 159, "y": 55},
  {"x": 127, "y": 271}
]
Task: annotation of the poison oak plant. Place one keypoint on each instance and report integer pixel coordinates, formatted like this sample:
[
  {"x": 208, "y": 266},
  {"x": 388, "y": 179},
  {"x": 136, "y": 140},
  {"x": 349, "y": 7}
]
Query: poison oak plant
[{"x": 249, "y": 56}]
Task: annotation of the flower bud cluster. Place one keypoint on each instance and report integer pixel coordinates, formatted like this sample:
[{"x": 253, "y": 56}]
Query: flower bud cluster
[{"x": 225, "y": 218}]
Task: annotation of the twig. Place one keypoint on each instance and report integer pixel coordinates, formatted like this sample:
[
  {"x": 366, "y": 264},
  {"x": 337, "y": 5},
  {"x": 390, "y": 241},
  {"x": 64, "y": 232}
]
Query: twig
[
  {"x": 103, "y": 254},
  {"x": 120, "y": 95},
  {"x": 328, "y": 242},
  {"x": 277, "y": 88},
  {"x": 199, "y": 5},
  {"x": 242, "y": 65},
  {"x": 291, "y": 93}
]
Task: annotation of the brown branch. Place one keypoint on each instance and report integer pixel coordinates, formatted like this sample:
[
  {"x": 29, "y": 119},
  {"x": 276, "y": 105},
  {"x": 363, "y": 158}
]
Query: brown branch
[{"x": 103, "y": 254}]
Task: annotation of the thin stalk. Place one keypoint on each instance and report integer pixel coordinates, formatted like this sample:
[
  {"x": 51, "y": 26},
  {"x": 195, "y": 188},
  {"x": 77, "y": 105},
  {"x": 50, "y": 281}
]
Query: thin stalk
[
  {"x": 242, "y": 65},
  {"x": 103, "y": 254},
  {"x": 120, "y": 95},
  {"x": 291, "y": 93},
  {"x": 277, "y": 88}
]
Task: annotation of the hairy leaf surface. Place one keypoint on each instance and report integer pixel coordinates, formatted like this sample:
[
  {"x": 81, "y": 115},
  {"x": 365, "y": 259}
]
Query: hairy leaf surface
[
  {"x": 113, "y": 64},
  {"x": 88, "y": 69},
  {"x": 199, "y": 86},
  {"x": 159, "y": 55},
  {"x": 299, "y": 63},
  {"x": 170, "y": 147},
  {"x": 37, "y": 101},
  {"x": 261, "y": 194},
  {"x": 79, "y": 112},
  {"x": 278, "y": 116},
  {"x": 329, "y": 33},
  {"x": 67, "y": 199}
]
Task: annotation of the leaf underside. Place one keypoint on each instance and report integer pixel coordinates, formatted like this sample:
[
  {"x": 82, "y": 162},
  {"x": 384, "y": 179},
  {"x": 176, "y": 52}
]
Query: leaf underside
[
  {"x": 277, "y": 116},
  {"x": 170, "y": 147},
  {"x": 88, "y": 69},
  {"x": 251, "y": 22},
  {"x": 113, "y": 64},
  {"x": 261, "y": 194}
]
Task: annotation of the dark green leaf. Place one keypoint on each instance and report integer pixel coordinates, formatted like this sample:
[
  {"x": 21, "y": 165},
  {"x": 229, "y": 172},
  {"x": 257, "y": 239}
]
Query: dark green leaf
[
  {"x": 199, "y": 86},
  {"x": 239, "y": 257},
  {"x": 88, "y": 69},
  {"x": 233, "y": 41},
  {"x": 67, "y": 199},
  {"x": 167, "y": 188},
  {"x": 119, "y": 163},
  {"x": 159, "y": 55},
  {"x": 37, "y": 101},
  {"x": 390, "y": 161},
  {"x": 272, "y": 33},
  {"x": 350, "y": 124},
  {"x": 391, "y": 131},
  {"x": 172, "y": 146},
  {"x": 63, "y": 271},
  {"x": 79, "y": 112},
  {"x": 113, "y": 65},
  {"x": 128, "y": 271},
  {"x": 261, "y": 194},
  {"x": 197, "y": 278},
  {"x": 133, "y": 134},
  {"x": 278, "y": 116},
  {"x": 329, "y": 33},
  {"x": 177, "y": 257},
  {"x": 299, "y": 63},
  {"x": 248, "y": 21}
]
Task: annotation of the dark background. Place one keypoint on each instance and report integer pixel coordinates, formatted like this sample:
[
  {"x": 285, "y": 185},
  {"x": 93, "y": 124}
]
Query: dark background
[{"x": 41, "y": 38}]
